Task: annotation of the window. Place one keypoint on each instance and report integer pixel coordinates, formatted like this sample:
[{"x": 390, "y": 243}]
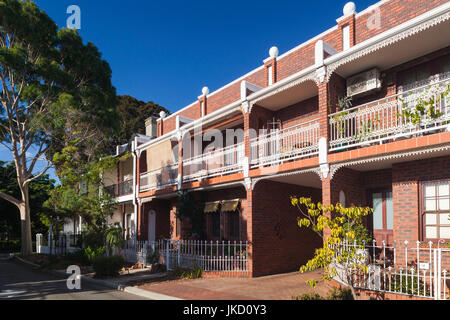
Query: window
[
  {"x": 128, "y": 227},
  {"x": 215, "y": 219},
  {"x": 435, "y": 217},
  {"x": 234, "y": 224}
]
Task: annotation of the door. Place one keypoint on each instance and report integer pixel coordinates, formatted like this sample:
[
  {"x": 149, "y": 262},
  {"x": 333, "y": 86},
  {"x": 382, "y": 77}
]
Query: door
[
  {"x": 151, "y": 225},
  {"x": 383, "y": 216}
]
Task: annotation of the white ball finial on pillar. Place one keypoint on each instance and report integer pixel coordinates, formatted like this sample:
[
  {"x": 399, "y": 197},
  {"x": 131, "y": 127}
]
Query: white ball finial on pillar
[
  {"x": 162, "y": 114},
  {"x": 273, "y": 52},
  {"x": 349, "y": 8},
  {"x": 205, "y": 91}
]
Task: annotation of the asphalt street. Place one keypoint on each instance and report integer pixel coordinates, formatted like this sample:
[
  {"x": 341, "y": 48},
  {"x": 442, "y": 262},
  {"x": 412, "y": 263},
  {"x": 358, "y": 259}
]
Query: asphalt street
[{"x": 22, "y": 282}]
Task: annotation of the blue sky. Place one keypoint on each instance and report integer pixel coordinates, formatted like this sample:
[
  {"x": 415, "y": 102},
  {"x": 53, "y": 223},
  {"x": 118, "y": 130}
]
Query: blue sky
[{"x": 166, "y": 51}]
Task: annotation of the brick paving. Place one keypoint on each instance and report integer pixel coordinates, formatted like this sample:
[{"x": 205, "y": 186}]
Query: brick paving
[{"x": 276, "y": 287}]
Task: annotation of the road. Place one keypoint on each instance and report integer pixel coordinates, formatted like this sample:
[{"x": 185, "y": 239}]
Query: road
[{"x": 22, "y": 282}]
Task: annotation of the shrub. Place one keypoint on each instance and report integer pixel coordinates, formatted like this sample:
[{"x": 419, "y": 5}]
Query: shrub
[
  {"x": 92, "y": 253},
  {"x": 186, "y": 273},
  {"x": 340, "y": 294},
  {"x": 152, "y": 256},
  {"x": 308, "y": 296},
  {"x": 107, "y": 266}
]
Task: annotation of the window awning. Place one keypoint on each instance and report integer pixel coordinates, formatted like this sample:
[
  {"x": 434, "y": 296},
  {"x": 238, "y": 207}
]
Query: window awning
[
  {"x": 230, "y": 205},
  {"x": 211, "y": 207}
]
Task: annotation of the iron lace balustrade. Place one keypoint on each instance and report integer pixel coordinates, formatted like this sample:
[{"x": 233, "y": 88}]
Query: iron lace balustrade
[
  {"x": 387, "y": 119},
  {"x": 279, "y": 146},
  {"x": 214, "y": 163},
  {"x": 125, "y": 188},
  {"x": 159, "y": 178}
]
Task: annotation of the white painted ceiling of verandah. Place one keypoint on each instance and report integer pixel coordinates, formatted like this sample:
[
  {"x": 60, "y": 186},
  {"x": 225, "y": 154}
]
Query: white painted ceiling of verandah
[{"x": 308, "y": 179}]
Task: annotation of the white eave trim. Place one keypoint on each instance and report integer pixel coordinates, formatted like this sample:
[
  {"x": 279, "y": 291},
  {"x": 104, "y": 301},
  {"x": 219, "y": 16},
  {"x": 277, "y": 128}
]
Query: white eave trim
[{"x": 443, "y": 9}]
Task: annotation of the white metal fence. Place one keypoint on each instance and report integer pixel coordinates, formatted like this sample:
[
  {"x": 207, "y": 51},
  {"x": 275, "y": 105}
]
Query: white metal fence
[
  {"x": 58, "y": 245},
  {"x": 382, "y": 120},
  {"x": 223, "y": 256},
  {"x": 414, "y": 269},
  {"x": 287, "y": 144}
]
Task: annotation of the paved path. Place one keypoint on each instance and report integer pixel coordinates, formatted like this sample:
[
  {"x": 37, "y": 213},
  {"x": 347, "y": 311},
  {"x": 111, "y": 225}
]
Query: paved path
[
  {"x": 20, "y": 282},
  {"x": 276, "y": 287}
]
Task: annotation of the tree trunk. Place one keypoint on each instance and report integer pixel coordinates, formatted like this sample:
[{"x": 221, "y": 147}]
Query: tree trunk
[{"x": 25, "y": 219}]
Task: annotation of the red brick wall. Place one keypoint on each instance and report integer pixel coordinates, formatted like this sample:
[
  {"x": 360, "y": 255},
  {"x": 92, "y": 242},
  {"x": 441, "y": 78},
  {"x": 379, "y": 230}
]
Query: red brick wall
[
  {"x": 279, "y": 245},
  {"x": 298, "y": 113},
  {"x": 405, "y": 184},
  {"x": 162, "y": 228},
  {"x": 393, "y": 13}
]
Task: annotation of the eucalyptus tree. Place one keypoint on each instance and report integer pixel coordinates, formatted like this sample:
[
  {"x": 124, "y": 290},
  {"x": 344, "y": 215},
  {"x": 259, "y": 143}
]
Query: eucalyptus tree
[{"x": 54, "y": 89}]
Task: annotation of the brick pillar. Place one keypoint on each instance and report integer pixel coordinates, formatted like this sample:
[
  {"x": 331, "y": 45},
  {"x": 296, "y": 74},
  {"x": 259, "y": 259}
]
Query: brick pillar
[
  {"x": 348, "y": 21},
  {"x": 326, "y": 199},
  {"x": 323, "y": 110},
  {"x": 247, "y": 233},
  {"x": 271, "y": 62}
]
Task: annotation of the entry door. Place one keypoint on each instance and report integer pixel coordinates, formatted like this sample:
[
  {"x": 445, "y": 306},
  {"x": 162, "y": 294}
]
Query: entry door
[
  {"x": 151, "y": 225},
  {"x": 383, "y": 217}
]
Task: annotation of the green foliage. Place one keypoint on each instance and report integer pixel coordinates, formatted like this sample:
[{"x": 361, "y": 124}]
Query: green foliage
[
  {"x": 308, "y": 296},
  {"x": 54, "y": 90},
  {"x": 39, "y": 192},
  {"x": 190, "y": 209},
  {"x": 407, "y": 285},
  {"x": 340, "y": 294},
  {"x": 133, "y": 114},
  {"x": 92, "y": 253},
  {"x": 425, "y": 107},
  {"x": 152, "y": 256},
  {"x": 105, "y": 267},
  {"x": 185, "y": 273},
  {"x": 343, "y": 225},
  {"x": 114, "y": 237}
]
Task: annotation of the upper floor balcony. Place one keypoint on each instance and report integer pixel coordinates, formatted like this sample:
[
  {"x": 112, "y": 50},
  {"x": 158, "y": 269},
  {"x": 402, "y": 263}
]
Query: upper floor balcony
[
  {"x": 411, "y": 113},
  {"x": 288, "y": 144},
  {"x": 121, "y": 189}
]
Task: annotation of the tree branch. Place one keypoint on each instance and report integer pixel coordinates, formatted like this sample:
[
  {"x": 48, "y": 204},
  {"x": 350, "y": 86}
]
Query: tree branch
[{"x": 10, "y": 199}]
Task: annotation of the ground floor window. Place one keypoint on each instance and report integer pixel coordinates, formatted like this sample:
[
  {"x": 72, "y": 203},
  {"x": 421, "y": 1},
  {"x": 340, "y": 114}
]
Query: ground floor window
[
  {"x": 435, "y": 210},
  {"x": 215, "y": 224}
]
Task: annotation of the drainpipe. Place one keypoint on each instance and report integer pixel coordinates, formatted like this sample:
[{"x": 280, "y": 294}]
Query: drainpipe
[{"x": 135, "y": 193}]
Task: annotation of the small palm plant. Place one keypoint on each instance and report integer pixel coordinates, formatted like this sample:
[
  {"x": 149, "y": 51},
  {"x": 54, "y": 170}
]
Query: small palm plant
[{"x": 114, "y": 238}]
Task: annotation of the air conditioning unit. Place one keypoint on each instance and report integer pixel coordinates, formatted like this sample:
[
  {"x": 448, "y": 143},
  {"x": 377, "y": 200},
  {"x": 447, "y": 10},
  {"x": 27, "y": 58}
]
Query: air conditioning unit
[{"x": 364, "y": 83}]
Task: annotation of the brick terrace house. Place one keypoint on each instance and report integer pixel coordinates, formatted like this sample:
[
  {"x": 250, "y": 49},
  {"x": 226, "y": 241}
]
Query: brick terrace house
[{"x": 387, "y": 59}]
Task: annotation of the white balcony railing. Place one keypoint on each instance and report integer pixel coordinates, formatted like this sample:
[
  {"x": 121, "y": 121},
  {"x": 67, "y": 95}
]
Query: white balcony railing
[
  {"x": 411, "y": 113},
  {"x": 214, "y": 163},
  {"x": 285, "y": 145},
  {"x": 159, "y": 178}
]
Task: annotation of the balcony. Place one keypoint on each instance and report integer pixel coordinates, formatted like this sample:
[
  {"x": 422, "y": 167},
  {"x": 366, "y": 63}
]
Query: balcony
[
  {"x": 416, "y": 112},
  {"x": 214, "y": 163},
  {"x": 159, "y": 179},
  {"x": 119, "y": 190},
  {"x": 285, "y": 145}
]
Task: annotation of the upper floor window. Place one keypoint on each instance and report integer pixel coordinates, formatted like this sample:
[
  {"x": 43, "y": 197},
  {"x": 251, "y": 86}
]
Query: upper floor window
[{"x": 435, "y": 215}]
